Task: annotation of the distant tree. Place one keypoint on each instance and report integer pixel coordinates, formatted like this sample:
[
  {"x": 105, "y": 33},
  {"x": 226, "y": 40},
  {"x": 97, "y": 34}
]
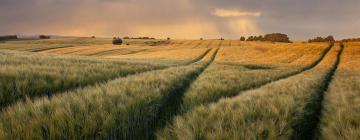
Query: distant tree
[
  {"x": 201, "y": 39},
  {"x": 250, "y": 38},
  {"x": 351, "y": 40},
  {"x": 8, "y": 37},
  {"x": 44, "y": 37},
  {"x": 222, "y": 39},
  {"x": 316, "y": 39},
  {"x": 168, "y": 38},
  {"x": 255, "y": 38},
  {"x": 117, "y": 41},
  {"x": 277, "y": 37},
  {"x": 330, "y": 38},
  {"x": 260, "y": 38},
  {"x": 93, "y": 37},
  {"x": 242, "y": 38}
]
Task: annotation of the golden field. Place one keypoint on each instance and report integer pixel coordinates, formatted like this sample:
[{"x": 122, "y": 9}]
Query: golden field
[{"x": 86, "y": 88}]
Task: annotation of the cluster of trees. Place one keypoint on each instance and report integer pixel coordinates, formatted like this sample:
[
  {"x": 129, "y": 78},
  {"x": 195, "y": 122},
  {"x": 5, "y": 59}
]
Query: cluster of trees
[
  {"x": 277, "y": 37},
  {"x": 329, "y": 38},
  {"x": 274, "y": 37},
  {"x": 242, "y": 38},
  {"x": 255, "y": 38},
  {"x": 8, "y": 37},
  {"x": 138, "y": 37},
  {"x": 44, "y": 37},
  {"x": 351, "y": 40},
  {"x": 117, "y": 41}
]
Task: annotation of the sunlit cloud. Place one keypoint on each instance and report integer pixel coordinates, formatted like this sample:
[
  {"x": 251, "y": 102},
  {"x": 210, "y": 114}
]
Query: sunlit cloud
[{"x": 234, "y": 13}]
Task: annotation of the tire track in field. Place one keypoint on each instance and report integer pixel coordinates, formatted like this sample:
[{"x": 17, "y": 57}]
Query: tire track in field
[
  {"x": 51, "y": 48},
  {"x": 191, "y": 44},
  {"x": 180, "y": 43},
  {"x": 220, "y": 44},
  {"x": 171, "y": 106},
  {"x": 76, "y": 51},
  {"x": 197, "y": 45},
  {"x": 105, "y": 52},
  {"x": 59, "y": 51},
  {"x": 198, "y": 58},
  {"x": 308, "y": 126},
  {"x": 209, "y": 44},
  {"x": 118, "y": 51},
  {"x": 259, "y": 85},
  {"x": 185, "y": 43},
  {"x": 194, "y": 60},
  {"x": 51, "y": 93}
]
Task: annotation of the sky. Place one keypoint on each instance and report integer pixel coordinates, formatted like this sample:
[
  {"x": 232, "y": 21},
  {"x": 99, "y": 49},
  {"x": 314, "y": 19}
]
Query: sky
[{"x": 181, "y": 19}]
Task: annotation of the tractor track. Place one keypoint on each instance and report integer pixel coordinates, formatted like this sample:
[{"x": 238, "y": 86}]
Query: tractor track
[
  {"x": 221, "y": 43},
  {"x": 235, "y": 93},
  {"x": 308, "y": 128},
  {"x": 51, "y": 48},
  {"x": 105, "y": 52},
  {"x": 198, "y": 58},
  {"x": 197, "y": 45},
  {"x": 171, "y": 106},
  {"x": 50, "y": 94},
  {"x": 75, "y": 51},
  {"x": 164, "y": 109},
  {"x": 194, "y": 60}
]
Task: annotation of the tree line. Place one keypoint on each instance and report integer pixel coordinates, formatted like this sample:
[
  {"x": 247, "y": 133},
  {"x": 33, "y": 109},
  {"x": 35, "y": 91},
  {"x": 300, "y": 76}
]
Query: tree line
[
  {"x": 8, "y": 37},
  {"x": 329, "y": 38},
  {"x": 273, "y": 37},
  {"x": 351, "y": 40}
]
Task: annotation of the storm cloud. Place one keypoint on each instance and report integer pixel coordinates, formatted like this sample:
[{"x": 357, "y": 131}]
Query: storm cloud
[{"x": 301, "y": 19}]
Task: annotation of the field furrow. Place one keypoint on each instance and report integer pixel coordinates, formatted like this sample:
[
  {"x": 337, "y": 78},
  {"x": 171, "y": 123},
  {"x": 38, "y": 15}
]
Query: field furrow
[
  {"x": 198, "y": 58},
  {"x": 307, "y": 126},
  {"x": 266, "y": 53},
  {"x": 32, "y": 47},
  {"x": 198, "y": 45},
  {"x": 126, "y": 108},
  {"x": 223, "y": 80},
  {"x": 184, "y": 54},
  {"x": 172, "y": 104},
  {"x": 28, "y": 75},
  {"x": 106, "y": 52},
  {"x": 48, "y": 48},
  {"x": 73, "y": 51},
  {"x": 57, "y": 75},
  {"x": 269, "y": 112},
  {"x": 341, "y": 106}
]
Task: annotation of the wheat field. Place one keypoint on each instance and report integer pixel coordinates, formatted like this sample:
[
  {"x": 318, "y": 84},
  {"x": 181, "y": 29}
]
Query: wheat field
[{"x": 88, "y": 88}]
